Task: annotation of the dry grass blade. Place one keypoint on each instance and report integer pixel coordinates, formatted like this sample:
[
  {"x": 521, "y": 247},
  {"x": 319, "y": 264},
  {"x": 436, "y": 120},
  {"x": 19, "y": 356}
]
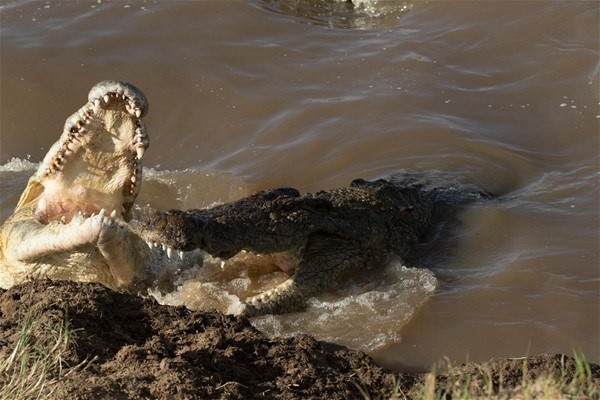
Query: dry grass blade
[{"x": 37, "y": 362}]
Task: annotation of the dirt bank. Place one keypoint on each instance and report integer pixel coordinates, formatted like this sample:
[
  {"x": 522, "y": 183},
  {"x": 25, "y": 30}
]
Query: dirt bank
[{"x": 142, "y": 350}]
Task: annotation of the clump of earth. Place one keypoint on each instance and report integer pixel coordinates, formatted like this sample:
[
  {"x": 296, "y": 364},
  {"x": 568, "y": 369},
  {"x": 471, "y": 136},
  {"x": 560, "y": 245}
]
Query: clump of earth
[{"x": 134, "y": 348}]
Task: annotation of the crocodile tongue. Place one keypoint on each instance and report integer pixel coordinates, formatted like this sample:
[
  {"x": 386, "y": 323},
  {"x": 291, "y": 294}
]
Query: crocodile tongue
[{"x": 96, "y": 163}]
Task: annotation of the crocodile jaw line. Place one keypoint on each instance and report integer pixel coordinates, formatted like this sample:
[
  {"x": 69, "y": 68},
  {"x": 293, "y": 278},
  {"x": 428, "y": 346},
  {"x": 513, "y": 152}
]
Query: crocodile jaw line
[{"x": 96, "y": 163}]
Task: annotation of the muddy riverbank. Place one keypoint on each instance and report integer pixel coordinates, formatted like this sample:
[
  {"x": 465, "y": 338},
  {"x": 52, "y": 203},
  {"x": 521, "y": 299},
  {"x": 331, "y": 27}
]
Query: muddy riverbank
[{"x": 128, "y": 347}]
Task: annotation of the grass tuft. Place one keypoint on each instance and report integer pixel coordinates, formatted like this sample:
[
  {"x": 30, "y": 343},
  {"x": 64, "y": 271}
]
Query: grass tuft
[
  {"x": 563, "y": 384},
  {"x": 38, "y": 360},
  {"x": 568, "y": 383}
]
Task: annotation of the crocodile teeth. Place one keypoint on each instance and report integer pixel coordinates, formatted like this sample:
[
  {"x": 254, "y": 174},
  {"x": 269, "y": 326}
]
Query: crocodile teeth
[
  {"x": 133, "y": 178},
  {"x": 97, "y": 103},
  {"x": 169, "y": 252},
  {"x": 102, "y": 212},
  {"x": 106, "y": 98},
  {"x": 138, "y": 112},
  {"x": 140, "y": 152},
  {"x": 113, "y": 213},
  {"x": 222, "y": 264},
  {"x": 149, "y": 243},
  {"x": 180, "y": 254}
]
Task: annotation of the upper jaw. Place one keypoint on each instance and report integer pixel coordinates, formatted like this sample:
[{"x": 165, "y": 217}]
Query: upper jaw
[
  {"x": 135, "y": 100},
  {"x": 99, "y": 153}
]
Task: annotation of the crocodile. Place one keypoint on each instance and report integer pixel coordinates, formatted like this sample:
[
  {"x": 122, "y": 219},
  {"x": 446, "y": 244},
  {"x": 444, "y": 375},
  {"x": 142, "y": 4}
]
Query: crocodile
[
  {"x": 70, "y": 221},
  {"x": 314, "y": 238}
]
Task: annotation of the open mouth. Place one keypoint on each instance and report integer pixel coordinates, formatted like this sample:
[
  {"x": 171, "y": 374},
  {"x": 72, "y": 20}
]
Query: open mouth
[{"x": 95, "y": 167}]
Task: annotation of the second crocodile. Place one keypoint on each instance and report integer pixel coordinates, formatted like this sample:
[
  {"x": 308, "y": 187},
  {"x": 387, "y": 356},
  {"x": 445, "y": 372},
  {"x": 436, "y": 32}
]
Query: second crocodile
[{"x": 314, "y": 238}]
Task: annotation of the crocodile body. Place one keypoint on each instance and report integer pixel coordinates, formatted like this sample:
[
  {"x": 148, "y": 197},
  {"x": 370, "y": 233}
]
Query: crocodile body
[{"x": 314, "y": 238}]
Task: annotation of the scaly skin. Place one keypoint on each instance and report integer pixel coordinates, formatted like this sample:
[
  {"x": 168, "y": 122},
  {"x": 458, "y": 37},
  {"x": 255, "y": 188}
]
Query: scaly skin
[
  {"x": 70, "y": 220},
  {"x": 315, "y": 238}
]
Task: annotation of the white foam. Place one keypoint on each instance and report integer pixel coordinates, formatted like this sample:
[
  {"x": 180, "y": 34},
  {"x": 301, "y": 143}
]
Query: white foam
[
  {"x": 367, "y": 312},
  {"x": 359, "y": 315},
  {"x": 19, "y": 165}
]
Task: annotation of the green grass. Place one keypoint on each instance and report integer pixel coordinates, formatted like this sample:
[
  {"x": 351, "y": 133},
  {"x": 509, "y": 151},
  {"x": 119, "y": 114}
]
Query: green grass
[
  {"x": 559, "y": 385},
  {"x": 454, "y": 384},
  {"x": 37, "y": 361}
]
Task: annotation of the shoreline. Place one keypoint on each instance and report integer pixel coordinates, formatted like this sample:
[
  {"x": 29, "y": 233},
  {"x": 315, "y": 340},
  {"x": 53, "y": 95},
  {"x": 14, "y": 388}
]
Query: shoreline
[{"x": 129, "y": 347}]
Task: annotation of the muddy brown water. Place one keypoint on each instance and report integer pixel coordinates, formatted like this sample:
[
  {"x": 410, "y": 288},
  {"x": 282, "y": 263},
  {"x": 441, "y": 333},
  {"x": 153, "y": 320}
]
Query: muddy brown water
[{"x": 246, "y": 95}]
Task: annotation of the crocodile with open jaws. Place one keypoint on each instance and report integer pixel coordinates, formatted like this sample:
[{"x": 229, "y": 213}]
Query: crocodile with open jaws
[
  {"x": 314, "y": 238},
  {"x": 70, "y": 220}
]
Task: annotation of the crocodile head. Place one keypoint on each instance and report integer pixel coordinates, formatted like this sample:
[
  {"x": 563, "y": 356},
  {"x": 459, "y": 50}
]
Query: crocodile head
[
  {"x": 70, "y": 220},
  {"x": 96, "y": 163}
]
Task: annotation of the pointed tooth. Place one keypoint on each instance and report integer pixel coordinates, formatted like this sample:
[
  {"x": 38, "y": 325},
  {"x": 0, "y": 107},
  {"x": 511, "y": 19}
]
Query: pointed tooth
[
  {"x": 106, "y": 98},
  {"x": 102, "y": 212},
  {"x": 138, "y": 112},
  {"x": 222, "y": 264},
  {"x": 140, "y": 152},
  {"x": 133, "y": 178},
  {"x": 113, "y": 213},
  {"x": 169, "y": 252},
  {"x": 180, "y": 254},
  {"x": 149, "y": 243},
  {"x": 97, "y": 103}
]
